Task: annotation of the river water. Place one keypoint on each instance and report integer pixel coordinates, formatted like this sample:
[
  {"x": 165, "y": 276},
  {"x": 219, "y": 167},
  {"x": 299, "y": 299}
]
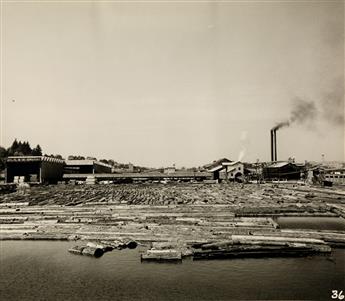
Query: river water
[
  {"x": 313, "y": 223},
  {"x": 44, "y": 270}
]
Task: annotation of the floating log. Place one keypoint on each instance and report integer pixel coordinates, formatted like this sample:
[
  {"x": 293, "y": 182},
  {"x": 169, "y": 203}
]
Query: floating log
[
  {"x": 77, "y": 250},
  {"x": 129, "y": 243},
  {"x": 13, "y": 220},
  {"x": 185, "y": 252},
  {"x": 259, "y": 251},
  {"x": 162, "y": 255},
  {"x": 164, "y": 245},
  {"x": 119, "y": 244},
  {"x": 91, "y": 251},
  {"x": 250, "y": 239},
  {"x": 175, "y": 245},
  {"x": 104, "y": 247},
  {"x": 115, "y": 244},
  {"x": 216, "y": 245}
]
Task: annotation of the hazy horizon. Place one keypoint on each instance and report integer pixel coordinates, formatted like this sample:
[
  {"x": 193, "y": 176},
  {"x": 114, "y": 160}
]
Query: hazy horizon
[{"x": 157, "y": 83}]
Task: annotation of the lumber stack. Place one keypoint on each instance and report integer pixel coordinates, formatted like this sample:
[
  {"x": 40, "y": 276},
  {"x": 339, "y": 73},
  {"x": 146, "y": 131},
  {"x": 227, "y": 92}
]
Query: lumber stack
[{"x": 90, "y": 180}]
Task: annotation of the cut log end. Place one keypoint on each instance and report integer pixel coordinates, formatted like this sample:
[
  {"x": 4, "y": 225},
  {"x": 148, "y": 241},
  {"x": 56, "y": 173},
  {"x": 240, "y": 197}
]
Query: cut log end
[{"x": 95, "y": 252}]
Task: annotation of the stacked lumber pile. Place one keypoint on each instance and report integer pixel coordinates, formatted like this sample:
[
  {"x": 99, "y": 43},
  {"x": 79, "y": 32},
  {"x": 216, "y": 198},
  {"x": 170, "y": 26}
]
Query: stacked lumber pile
[{"x": 90, "y": 180}]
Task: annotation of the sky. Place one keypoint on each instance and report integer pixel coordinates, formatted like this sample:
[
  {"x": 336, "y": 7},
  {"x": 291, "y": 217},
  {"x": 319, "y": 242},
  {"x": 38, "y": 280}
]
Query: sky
[{"x": 185, "y": 83}]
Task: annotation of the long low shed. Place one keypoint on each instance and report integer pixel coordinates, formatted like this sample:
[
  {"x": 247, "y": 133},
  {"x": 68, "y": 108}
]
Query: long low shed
[
  {"x": 34, "y": 169},
  {"x": 142, "y": 176},
  {"x": 86, "y": 167}
]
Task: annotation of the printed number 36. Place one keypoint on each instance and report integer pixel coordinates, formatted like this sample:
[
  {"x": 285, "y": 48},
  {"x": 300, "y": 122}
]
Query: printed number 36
[{"x": 336, "y": 295}]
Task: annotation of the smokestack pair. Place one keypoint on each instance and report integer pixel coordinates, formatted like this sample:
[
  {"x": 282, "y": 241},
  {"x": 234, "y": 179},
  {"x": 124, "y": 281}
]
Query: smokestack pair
[{"x": 274, "y": 144}]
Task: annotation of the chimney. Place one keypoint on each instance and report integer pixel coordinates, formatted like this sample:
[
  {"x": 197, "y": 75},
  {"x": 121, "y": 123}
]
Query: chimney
[
  {"x": 272, "y": 147},
  {"x": 275, "y": 145}
]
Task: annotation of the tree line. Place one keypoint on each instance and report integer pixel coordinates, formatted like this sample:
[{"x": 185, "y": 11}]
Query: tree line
[{"x": 18, "y": 148}]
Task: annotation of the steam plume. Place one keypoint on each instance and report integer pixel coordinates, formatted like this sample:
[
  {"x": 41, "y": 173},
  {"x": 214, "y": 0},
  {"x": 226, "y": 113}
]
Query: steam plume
[{"x": 243, "y": 146}]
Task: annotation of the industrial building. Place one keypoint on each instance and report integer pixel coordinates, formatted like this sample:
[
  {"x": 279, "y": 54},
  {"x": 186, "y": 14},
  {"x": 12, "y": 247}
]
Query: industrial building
[
  {"x": 282, "y": 171},
  {"x": 86, "y": 167},
  {"x": 232, "y": 171},
  {"x": 224, "y": 169},
  {"x": 336, "y": 176},
  {"x": 34, "y": 169},
  {"x": 169, "y": 170}
]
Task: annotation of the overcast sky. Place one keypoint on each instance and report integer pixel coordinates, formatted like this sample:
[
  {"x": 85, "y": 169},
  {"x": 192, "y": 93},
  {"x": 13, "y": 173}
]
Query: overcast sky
[{"x": 162, "y": 83}]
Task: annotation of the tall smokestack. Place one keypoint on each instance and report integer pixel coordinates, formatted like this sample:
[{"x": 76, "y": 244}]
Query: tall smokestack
[
  {"x": 275, "y": 145},
  {"x": 272, "y": 147}
]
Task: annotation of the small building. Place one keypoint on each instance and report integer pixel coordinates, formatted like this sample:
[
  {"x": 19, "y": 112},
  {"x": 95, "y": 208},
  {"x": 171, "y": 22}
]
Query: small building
[
  {"x": 34, "y": 169},
  {"x": 282, "y": 170},
  {"x": 169, "y": 170},
  {"x": 336, "y": 176},
  {"x": 86, "y": 167},
  {"x": 130, "y": 167},
  {"x": 224, "y": 169},
  {"x": 232, "y": 171}
]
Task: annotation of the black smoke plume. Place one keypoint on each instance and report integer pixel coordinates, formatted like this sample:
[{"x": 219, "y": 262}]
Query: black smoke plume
[
  {"x": 303, "y": 112},
  {"x": 332, "y": 105}
]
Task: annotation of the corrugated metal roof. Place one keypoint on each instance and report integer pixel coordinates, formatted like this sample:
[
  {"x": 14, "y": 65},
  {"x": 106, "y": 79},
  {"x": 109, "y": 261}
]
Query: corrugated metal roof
[
  {"x": 79, "y": 162},
  {"x": 33, "y": 159},
  {"x": 279, "y": 164},
  {"x": 231, "y": 163},
  {"x": 216, "y": 163},
  {"x": 86, "y": 162},
  {"x": 216, "y": 168}
]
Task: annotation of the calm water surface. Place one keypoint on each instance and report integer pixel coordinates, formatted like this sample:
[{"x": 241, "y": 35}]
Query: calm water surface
[
  {"x": 41, "y": 270},
  {"x": 315, "y": 223}
]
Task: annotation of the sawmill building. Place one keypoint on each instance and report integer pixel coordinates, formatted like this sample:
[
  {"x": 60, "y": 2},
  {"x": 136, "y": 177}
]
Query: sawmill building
[
  {"x": 34, "y": 169},
  {"x": 86, "y": 167},
  {"x": 336, "y": 176},
  {"x": 282, "y": 171},
  {"x": 224, "y": 169}
]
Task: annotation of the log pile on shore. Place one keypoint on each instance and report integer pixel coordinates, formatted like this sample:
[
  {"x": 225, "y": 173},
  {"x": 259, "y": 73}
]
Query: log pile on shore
[{"x": 193, "y": 214}]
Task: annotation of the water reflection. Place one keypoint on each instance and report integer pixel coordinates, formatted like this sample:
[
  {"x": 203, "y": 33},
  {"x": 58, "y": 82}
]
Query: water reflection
[{"x": 39, "y": 270}]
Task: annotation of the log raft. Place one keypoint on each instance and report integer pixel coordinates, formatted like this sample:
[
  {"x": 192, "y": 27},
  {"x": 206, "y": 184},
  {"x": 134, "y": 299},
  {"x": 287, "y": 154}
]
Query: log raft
[
  {"x": 194, "y": 214},
  {"x": 261, "y": 246}
]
